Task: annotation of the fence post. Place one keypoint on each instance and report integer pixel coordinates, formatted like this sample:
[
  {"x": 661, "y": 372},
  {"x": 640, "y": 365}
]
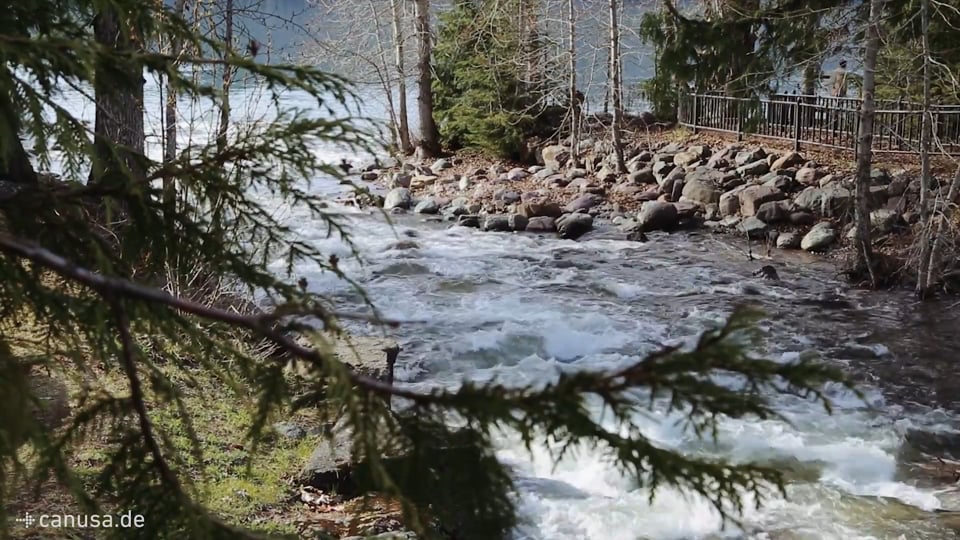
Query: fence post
[
  {"x": 696, "y": 111},
  {"x": 796, "y": 124},
  {"x": 736, "y": 104}
]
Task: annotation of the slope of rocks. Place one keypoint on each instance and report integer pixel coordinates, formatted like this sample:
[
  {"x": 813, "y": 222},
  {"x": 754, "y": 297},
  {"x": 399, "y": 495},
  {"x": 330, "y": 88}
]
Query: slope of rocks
[{"x": 780, "y": 198}]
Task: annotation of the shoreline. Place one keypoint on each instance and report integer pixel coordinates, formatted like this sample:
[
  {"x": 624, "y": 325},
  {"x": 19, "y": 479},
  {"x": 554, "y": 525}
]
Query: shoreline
[{"x": 775, "y": 198}]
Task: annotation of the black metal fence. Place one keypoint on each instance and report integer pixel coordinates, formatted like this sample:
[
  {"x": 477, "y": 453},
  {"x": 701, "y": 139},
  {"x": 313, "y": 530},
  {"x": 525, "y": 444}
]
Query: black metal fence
[{"x": 822, "y": 121}]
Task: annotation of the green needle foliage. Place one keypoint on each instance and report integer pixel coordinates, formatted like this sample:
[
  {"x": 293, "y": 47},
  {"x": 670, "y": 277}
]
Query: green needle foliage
[{"x": 88, "y": 266}]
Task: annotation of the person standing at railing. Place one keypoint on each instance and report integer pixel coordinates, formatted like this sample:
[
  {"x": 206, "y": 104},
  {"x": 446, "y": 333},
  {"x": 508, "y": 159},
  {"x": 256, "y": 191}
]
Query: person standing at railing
[{"x": 838, "y": 85}]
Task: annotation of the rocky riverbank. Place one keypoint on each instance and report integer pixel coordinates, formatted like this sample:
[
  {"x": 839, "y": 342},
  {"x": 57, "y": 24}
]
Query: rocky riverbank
[{"x": 782, "y": 199}]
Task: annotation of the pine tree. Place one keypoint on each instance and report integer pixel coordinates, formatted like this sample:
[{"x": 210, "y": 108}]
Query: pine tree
[
  {"x": 95, "y": 292},
  {"x": 483, "y": 97}
]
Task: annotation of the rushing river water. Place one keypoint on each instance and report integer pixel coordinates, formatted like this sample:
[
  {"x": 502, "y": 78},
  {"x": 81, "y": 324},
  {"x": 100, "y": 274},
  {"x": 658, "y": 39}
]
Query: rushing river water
[{"x": 522, "y": 307}]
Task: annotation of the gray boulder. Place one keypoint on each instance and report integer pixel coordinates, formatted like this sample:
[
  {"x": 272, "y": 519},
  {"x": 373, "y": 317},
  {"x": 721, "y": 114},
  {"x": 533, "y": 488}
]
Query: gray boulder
[
  {"x": 820, "y": 236},
  {"x": 750, "y": 156},
  {"x": 658, "y": 215},
  {"x": 642, "y": 176},
  {"x": 399, "y": 180},
  {"x": 518, "y": 222},
  {"x": 787, "y": 160},
  {"x": 398, "y": 198},
  {"x": 427, "y": 206},
  {"x": 541, "y": 224},
  {"x": 584, "y": 202},
  {"x": 573, "y": 226},
  {"x": 884, "y": 220},
  {"x": 773, "y": 212},
  {"x": 754, "y": 168},
  {"x": 496, "y": 224},
  {"x": 753, "y": 227},
  {"x": 788, "y": 240},
  {"x": 555, "y": 156},
  {"x": 729, "y": 203},
  {"x": 701, "y": 191},
  {"x": 753, "y": 196}
]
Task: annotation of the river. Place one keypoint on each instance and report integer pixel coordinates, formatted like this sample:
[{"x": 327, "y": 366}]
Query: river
[{"x": 521, "y": 308}]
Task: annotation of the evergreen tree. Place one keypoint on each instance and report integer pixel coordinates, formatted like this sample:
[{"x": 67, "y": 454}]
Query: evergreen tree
[
  {"x": 93, "y": 289},
  {"x": 483, "y": 97},
  {"x": 741, "y": 47}
]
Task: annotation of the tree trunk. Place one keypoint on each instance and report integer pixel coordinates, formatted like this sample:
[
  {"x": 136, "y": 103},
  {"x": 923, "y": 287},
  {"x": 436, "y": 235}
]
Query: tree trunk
[
  {"x": 616, "y": 87},
  {"x": 575, "y": 102},
  {"x": 429, "y": 135},
  {"x": 923, "y": 272},
  {"x": 383, "y": 72},
  {"x": 864, "y": 247},
  {"x": 403, "y": 122},
  {"x": 15, "y": 166},
  {"x": 933, "y": 265},
  {"x": 170, "y": 116},
  {"x": 227, "y": 77},
  {"x": 118, "y": 122}
]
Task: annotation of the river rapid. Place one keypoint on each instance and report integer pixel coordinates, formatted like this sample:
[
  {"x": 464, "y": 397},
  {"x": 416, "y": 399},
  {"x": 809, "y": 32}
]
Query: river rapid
[{"x": 521, "y": 308}]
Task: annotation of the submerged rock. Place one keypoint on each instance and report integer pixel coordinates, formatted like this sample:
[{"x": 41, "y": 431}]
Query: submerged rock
[{"x": 573, "y": 226}]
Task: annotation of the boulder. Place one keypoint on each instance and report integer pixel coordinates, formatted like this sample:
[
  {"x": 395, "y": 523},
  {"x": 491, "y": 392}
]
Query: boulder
[
  {"x": 661, "y": 169},
  {"x": 544, "y": 172},
  {"x": 753, "y": 196},
  {"x": 788, "y": 240},
  {"x": 469, "y": 220},
  {"x": 584, "y": 202},
  {"x": 787, "y": 160},
  {"x": 539, "y": 209},
  {"x": 671, "y": 148},
  {"x": 884, "y": 220},
  {"x": 837, "y": 201},
  {"x": 753, "y": 227},
  {"x": 369, "y": 176},
  {"x": 773, "y": 212},
  {"x": 810, "y": 198},
  {"x": 440, "y": 165},
  {"x": 898, "y": 186},
  {"x": 807, "y": 176},
  {"x": 657, "y": 215},
  {"x": 729, "y": 203},
  {"x": 642, "y": 176},
  {"x": 517, "y": 174},
  {"x": 573, "y": 226},
  {"x": 943, "y": 444},
  {"x": 427, "y": 206},
  {"x": 555, "y": 156},
  {"x": 701, "y": 191},
  {"x": 819, "y": 237},
  {"x": 686, "y": 209},
  {"x": 518, "y": 222},
  {"x": 399, "y": 180},
  {"x": 711, "y": 212},
  {"x": 496, "y": 224},
  {"x": 781, "y": 182},
  {"x": 398, "y": 198},
  {"x": 721, "y": 158},
  {"x": 880, "y": 177},
  {"x": 464, "y": 183},
  {"x": 574, "y": 174},
  {"x": 750, "y": 156},
  {"x": 827, "y": 180},
  {"x": 802, "y": 218},
  {"x": 506, "y": 196},
  {"x": 541, "y": 224},
  {"x": 754, "y": 168},
  {"x": 685, "y": 158}
]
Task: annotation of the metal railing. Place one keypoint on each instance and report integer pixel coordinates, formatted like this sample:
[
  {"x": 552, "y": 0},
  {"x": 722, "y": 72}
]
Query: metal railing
[{"x": 831, "y": 122}]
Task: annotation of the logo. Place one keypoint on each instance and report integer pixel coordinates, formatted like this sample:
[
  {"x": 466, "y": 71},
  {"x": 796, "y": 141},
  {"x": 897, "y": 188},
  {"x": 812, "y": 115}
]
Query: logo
[{"x": 28, "y": 520}]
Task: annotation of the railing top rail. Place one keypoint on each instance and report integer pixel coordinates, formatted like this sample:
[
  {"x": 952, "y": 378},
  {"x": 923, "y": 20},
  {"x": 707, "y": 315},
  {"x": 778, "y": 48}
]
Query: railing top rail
[{"x": 810, "y": 100}]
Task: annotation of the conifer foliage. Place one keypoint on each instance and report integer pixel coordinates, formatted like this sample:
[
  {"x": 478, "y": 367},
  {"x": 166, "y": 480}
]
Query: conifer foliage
[
  {"x": 486, "y": 97},
  {"x": 85, "y": 262}
]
